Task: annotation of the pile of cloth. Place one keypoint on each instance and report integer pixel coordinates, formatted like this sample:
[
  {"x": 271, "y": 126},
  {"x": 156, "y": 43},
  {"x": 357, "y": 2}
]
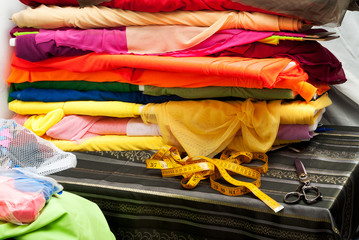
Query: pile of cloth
[{"x": 203, "y": 76}]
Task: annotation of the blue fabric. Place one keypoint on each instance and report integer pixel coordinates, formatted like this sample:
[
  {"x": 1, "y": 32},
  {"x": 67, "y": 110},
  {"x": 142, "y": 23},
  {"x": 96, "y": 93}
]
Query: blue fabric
[{"x": 63, "y": 95}]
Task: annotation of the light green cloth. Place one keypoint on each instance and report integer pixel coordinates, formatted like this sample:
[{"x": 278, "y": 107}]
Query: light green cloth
[{"x": 65, "y": 217}]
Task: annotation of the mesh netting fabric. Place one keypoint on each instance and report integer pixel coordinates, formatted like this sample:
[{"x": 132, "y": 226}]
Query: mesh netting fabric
[{"x": 19, "y": 146}]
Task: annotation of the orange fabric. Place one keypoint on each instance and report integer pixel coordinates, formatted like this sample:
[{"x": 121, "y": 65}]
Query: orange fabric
[
  {"x": 293, "y": 78},
  {"x": 266, "y": 70}
]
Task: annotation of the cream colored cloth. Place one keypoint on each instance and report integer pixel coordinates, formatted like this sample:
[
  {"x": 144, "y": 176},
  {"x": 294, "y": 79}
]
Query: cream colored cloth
[
  {"x": 204, "y": 128},
  {"x": 91, "y": 108},
  {"x": 99, "y": 17}
]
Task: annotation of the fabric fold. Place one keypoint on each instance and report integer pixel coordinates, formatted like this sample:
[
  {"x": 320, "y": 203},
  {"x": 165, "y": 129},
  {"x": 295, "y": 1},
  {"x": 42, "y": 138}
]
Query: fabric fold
[
  {"x": 266, "y": 70},
  {"x": 50, "y": 17},
  {"x": 294, "y": 78},
  {"x": 91, "y": 108}
]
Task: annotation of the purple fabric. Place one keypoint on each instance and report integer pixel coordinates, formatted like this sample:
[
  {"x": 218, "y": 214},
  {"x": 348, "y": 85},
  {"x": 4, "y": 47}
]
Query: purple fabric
[
  {"x": 26, "y": 48},
  {"x": 294, "y": 132}
]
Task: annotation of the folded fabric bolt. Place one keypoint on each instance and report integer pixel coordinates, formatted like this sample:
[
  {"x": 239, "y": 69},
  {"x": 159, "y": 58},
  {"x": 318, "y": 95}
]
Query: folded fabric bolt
[
  {"x": 63, "y": 95},
  {"x": 317, "y": 61},
  {"x": 266, "y": 70},
  {"x": 188, "y": 93},
  {"x": 293, "y": 78},
  {"x": 92, "y": 108},
  {"x": 101, "y": 17},
  {"x": 137, "y": 40},
  {"x": 75, "y": 127},
  {"x": 110, "y": 143},
  {"x": 76, "y": 85},
  {"x": 155, "y": 6},
  {"x": 319, "y": 13}
]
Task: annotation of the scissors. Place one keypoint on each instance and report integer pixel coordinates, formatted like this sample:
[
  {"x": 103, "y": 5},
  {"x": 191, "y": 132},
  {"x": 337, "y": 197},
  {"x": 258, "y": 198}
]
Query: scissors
[{"x": 303, "y": 189}]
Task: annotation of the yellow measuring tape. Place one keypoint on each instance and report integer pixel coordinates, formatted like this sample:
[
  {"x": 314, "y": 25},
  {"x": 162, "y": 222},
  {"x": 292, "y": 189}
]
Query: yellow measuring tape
[{"x": 230, "y": 163}]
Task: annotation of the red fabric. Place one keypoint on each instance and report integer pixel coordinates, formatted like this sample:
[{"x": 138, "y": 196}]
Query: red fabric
[
  {"x": 157, "y": 5},
  {"x": 17, "y": 206}
]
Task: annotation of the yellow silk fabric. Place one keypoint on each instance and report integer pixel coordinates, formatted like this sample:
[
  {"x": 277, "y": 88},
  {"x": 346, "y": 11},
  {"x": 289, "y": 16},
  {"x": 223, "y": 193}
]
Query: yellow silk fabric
[
  {"x": 90, "y": 108},
  {"x": 204, "y": 128},
  {"x": 110, "y": 143}
]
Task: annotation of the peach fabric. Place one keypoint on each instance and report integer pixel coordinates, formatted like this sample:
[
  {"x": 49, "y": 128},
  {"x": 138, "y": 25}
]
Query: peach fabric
[{"x": 96, "y": 17}]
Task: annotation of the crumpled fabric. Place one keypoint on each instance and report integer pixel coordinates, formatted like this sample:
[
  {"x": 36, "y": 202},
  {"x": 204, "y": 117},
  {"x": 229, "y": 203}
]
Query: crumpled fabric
[
  {"x": 51, "y": 17},
  {"x": 205, "y": 128}
]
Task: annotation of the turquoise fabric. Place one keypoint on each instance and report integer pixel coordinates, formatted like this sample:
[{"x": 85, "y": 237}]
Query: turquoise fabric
[{"x": 66, "y": 216}]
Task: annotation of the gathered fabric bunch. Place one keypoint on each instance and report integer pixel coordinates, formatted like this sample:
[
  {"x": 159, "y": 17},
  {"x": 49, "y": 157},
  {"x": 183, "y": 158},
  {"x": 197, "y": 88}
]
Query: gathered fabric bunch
[{"x": 203, "y": 76}]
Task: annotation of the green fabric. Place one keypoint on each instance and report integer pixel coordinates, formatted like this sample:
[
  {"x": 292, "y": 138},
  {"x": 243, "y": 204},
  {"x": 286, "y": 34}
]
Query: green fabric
[
  {"x": 66, "y": 216},
  {"x": 216, "y": 92},
  {"x": 77, "y": 85},
  {"x": 24, "y": 33}
]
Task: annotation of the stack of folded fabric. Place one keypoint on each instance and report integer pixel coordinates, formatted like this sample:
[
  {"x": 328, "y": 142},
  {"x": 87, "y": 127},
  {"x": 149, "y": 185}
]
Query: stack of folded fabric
[{"x": 203, "y": 76}]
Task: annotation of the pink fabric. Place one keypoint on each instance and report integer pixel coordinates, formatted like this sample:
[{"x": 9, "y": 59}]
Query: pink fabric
[
  {"x": 294, "y": 132},
  {"x": 17, "y": 206},
  {"x": 108, "y": 125},
  {"x": 136, "y": 127},
  {"x": 20, "y": 119},
  {"x": 72, "y": 127},
  {"x": 97, "y": 40},
  {"x": 141, "y": 40}
]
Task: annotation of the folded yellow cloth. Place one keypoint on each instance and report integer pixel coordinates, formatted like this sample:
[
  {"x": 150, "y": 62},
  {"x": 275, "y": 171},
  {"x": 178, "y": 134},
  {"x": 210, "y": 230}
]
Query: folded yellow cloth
[
  {"x": 110, "y": 143},
  {"x": 91, "y": 108},
  {"x": 39, "y": 124}
]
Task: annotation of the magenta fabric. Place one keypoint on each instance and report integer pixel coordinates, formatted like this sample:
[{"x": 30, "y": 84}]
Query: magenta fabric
[
  {"x": 294, "y": 132},
  {"x": 157, "y": 5},
  {"x": 96, "y": 40}
]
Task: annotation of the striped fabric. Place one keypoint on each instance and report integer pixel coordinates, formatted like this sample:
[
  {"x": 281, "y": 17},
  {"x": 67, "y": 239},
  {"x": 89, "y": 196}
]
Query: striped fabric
[{"x": 139, "y": 204}]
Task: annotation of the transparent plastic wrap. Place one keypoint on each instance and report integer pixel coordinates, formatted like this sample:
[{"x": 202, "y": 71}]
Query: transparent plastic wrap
[
  {"x": 23, "y": 194},
  {"x": 317, "y": 12},
  {"x": 21, "y": 147}
]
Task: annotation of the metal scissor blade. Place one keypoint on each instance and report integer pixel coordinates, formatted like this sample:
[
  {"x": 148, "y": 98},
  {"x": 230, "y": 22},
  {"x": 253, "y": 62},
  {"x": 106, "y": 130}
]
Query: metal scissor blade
[{"x": 302, "y": 173}]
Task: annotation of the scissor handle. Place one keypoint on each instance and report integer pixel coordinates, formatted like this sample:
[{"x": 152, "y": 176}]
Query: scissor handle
[
  {"x": 308, "y": 188},
  {"x": 295, "y": 196}
]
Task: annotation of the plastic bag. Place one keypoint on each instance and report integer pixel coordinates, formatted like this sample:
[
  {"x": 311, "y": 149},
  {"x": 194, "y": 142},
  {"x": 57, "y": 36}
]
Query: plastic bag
[
  {"x": 23, "y": 194},
  {"x": 19, "y": 146}
]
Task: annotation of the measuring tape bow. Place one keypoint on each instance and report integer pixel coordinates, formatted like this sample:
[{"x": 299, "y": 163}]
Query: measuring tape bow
[{"x": 195, "y": 169}]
